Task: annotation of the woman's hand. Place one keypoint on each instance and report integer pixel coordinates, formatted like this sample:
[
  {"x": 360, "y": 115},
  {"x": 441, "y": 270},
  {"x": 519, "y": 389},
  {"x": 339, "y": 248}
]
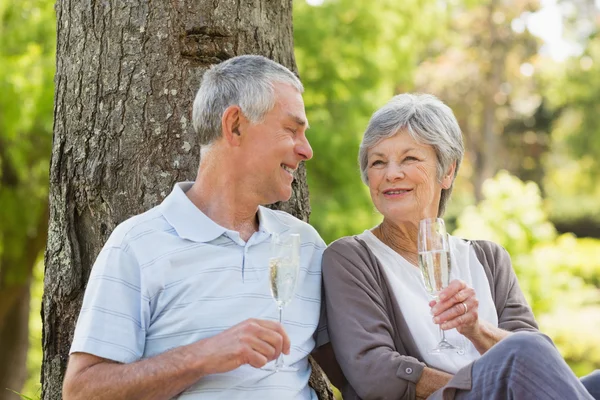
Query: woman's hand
[{"x": 458, "y": 308}]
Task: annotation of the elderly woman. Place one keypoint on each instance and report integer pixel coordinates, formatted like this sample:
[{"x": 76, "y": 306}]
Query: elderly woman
[{"x": 381, "y": 320}]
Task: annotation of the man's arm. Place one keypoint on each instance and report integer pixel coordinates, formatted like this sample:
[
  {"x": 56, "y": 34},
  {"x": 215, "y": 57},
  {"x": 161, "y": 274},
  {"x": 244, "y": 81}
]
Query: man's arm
[{"x": 253, "y": 342}]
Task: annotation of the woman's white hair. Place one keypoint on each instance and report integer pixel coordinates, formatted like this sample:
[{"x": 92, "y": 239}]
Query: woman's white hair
[{"x": 428, "y": 121}]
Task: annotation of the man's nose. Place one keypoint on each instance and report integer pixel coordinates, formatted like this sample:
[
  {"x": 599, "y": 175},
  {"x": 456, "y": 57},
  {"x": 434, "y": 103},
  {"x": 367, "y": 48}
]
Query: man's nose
[{"x": 303, "y": 148}]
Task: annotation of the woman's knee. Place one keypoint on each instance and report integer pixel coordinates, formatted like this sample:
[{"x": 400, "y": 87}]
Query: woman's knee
[{"x": 528, "y": 344}]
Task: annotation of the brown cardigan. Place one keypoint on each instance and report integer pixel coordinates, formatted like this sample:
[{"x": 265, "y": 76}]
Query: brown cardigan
[{"x": 370, "y": 337}]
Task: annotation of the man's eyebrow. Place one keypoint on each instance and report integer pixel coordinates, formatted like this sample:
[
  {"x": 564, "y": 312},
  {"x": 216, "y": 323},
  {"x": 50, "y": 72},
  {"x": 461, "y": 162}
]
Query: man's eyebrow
[{"x": 299, "y": 120}]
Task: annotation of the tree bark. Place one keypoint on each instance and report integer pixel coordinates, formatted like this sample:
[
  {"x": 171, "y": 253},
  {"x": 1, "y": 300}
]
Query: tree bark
[{"x": 126, "y": 77}]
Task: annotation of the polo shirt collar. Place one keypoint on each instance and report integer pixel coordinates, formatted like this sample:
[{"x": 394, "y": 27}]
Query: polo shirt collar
[
  {"x": 192, "y": 224},
  {"x": 183, "y": 215},
  {"x": 269, "y": 222}
]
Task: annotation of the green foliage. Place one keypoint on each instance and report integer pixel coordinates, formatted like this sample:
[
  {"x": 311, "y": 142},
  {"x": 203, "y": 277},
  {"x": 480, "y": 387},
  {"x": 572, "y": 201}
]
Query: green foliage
[
  {"x": 353, "y": 55},
  {"x": 21, "y": 395},
  {"x": 26, "y": 83},
  {"x": 558, "y": 274},
  {"x": 27, "y": 56},
  {"x": 33, "y": 386},
  {"x": 572, "y": 168}
]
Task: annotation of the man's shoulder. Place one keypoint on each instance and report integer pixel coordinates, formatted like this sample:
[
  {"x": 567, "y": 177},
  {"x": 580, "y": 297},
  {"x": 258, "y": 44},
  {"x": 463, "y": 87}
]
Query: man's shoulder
[
  {"x": 287, "y": 220},
  {"x": 141, "y": 225}
]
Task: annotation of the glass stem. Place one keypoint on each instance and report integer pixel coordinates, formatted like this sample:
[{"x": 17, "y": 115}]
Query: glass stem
[
  {"x": 279, "y": 362},
  {"x": 442, "y": 333}
]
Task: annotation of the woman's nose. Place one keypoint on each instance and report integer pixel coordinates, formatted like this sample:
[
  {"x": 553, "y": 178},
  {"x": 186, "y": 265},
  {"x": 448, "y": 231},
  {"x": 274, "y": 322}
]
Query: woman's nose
[{"x": 395, "y": 172}]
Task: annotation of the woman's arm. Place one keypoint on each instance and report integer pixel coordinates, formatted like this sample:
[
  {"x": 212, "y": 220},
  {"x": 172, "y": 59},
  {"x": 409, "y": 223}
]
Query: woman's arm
[
  {"x": 360, "y": 329},
  {"x": 431, "y": 380},
  {"x": 458, "y": 305}
]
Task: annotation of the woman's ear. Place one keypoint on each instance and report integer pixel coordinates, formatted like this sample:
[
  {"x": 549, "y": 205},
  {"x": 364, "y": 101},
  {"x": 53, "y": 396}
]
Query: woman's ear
[
  {"x": 230, "y": 125},
  {"x": 449, "y": 176}
]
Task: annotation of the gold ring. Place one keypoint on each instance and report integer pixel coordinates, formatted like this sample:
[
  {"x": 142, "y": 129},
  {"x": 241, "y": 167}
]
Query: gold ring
[{"x": 465, "y": 306}]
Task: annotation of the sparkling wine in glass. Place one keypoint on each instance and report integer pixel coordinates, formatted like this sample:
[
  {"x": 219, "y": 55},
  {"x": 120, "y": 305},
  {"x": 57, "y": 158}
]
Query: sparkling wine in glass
[
  {"x": 435, "y": 265},
  {"x": 284, "y": 265}
]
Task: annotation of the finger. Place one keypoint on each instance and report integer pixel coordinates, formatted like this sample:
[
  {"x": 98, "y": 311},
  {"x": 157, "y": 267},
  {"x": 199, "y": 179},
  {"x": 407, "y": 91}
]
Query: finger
[
  {"x": 453, "y": 287},
  {"x": 456, "y": 315},
  {"x": 282, "y": 337},
  {"x": 456, "y": 310},
  {"x": 458, "y": 297},
  {"x": 257, "y": 360},
  {"x": 461, "y": 321},
  {"x": 253, "y": 341}
]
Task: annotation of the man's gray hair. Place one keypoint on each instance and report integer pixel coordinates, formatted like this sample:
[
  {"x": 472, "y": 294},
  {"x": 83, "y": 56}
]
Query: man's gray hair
[
  {"x": 246, "y": 81},
  {"x": 428, "y": 121}
]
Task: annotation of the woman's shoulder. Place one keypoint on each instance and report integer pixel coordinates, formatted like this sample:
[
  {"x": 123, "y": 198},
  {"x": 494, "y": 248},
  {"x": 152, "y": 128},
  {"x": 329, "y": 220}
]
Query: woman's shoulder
[
  {"x": 346, "y": 244},
  {"x": 488, "y": 247}
]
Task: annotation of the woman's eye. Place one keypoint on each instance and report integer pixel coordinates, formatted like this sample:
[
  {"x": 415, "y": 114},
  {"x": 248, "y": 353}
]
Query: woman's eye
[
  {"x": 376, "y": 163},
  {"x": 410, "y": 158}
]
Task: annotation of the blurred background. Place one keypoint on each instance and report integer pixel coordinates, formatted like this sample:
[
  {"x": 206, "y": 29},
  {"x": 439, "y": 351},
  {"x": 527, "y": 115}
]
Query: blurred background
[{"x": 522, "y": 76}]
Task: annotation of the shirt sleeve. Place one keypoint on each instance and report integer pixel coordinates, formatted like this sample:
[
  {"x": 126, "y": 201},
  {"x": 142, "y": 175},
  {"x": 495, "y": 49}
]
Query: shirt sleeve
[
  {"x": 514, "y": 313},
  {"x": 321, "y": 334},
  {"x": 115, "y": 313},
  {"x": 361, "y": 331}
]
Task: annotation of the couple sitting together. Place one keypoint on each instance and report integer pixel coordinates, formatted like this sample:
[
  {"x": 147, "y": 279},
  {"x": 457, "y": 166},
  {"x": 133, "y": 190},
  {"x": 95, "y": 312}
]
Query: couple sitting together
[{"x": 178, "y": 304}]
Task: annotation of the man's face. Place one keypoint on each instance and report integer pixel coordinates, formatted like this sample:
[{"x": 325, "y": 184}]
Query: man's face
[{"x": 274, "y": 148}]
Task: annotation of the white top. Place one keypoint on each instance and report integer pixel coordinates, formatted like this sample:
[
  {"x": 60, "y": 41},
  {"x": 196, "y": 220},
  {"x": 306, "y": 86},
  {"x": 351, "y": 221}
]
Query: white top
[
  {"x": 171, "y": 276},
  {"x": 407, "y": 285}
]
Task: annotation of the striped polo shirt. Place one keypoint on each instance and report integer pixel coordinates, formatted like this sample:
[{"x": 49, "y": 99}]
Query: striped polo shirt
[{"x": 171, "y": 276}]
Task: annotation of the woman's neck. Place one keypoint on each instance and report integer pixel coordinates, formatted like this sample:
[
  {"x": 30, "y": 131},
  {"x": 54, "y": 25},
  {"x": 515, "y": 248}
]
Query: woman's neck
[{"x": 402, "y": 238}]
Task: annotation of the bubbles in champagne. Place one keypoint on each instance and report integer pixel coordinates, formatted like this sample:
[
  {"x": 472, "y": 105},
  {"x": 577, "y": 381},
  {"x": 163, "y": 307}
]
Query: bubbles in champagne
[
  {"x": 435, "y": 266},
  {"x": 282, "y": 274}
]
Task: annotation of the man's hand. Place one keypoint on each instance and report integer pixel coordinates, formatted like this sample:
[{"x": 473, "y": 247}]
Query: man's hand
[{"x": 254, "y": 342}]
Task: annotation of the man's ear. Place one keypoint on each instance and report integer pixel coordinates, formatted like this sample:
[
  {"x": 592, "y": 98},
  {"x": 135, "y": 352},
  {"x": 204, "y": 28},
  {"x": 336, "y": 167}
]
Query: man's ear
[
  {"x": 231, "y": 121},
  {"x": 449, "y": 176}
]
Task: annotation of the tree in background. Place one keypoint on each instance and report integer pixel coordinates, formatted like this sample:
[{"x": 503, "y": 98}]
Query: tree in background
[
  {"x": 353, "y": 55},
  {"x": 126, "y": 78},
  {"x": 26, "y": 73},
  {"x": 483, "y": 70},
  {"x": 573, "y": 165}
]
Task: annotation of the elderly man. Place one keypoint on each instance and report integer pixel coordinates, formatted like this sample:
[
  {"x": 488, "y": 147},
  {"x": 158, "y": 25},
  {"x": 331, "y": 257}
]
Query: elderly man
[{"x": 178, "y": 301}]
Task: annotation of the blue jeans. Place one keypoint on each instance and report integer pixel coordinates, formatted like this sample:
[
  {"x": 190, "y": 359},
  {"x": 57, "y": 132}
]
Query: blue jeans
[
  {"x": 592, "y": 384},
  {"x": 524, "y": 365}
]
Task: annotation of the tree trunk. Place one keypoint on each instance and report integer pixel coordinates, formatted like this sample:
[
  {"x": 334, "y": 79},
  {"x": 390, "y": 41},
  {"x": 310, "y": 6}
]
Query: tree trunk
[
  {"x": 491, "y": 148},
  {"x": 126, "y": 77}
]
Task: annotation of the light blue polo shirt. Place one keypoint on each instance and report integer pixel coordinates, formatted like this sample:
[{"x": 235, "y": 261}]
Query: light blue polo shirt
[{"x": 171, "y": 276}]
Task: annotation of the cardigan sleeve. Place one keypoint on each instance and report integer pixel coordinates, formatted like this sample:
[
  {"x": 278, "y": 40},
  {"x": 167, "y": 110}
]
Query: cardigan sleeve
[
  {"x": 514, "y": 313},
  {"x": 360, "y": 328}
]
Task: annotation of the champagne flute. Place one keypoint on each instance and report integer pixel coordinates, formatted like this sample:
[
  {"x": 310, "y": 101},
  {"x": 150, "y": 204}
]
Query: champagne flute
[
  {"x": 284, "y": 265},
  {"x": 435, "y": 265}
]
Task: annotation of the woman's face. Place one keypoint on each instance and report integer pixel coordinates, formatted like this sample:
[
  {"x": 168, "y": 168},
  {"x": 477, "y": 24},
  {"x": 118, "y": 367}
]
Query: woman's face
[{"x": 403, "y": 179}]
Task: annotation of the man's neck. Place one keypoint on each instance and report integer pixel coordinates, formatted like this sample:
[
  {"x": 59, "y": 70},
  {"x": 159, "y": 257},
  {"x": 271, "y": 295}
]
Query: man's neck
[{"x": 218, "y": 196}]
